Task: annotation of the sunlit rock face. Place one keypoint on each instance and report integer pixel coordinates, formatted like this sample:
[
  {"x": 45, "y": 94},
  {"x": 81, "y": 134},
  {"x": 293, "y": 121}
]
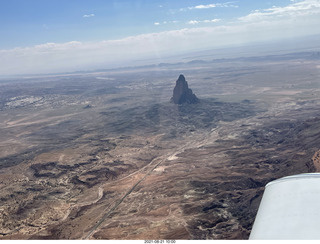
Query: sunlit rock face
[{"x": 182, "y": 93}]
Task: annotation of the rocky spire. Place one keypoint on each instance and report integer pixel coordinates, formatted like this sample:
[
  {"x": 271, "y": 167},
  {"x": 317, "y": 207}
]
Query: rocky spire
[{"x": 182, "y": 93}]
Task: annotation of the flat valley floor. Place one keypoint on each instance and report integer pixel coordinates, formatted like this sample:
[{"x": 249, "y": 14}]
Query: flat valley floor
[{"x": 105, "y": 155}]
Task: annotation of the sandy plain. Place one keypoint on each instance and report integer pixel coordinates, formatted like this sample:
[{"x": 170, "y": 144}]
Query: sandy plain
[{"x": 107, "y": 156}]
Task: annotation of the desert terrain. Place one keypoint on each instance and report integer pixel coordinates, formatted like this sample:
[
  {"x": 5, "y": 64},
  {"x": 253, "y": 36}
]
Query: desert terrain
[{"x": 105, "y": 155}]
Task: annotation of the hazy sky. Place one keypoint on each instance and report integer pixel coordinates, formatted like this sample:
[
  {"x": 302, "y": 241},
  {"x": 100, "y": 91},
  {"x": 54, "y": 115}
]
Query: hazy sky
[{"x": 39, "y": 36}]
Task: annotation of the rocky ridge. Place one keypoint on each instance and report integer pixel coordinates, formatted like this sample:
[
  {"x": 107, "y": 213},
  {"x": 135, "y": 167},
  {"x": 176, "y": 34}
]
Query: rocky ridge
[{"x": 182, "y": 93}]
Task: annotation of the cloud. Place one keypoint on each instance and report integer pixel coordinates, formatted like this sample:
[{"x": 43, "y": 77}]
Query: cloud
[
  {"x": 166, "y": 22},
  {"x": 203, "y": 6},
  {"x": 72, "y": 56},
  {"x": 293, "y": 10},
  {"x": 296, "y": 19},
  {"x": 88, "y": 15},
  {"x": 194, "y": 22},
  {"x": 214, "y": 5}
]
